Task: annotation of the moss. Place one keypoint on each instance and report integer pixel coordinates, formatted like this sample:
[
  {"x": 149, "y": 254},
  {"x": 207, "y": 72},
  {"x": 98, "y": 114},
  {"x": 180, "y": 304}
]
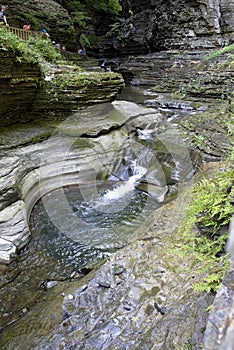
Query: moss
[
  {"x": 226, "y": 49},
  {"x": 185, "y": 346},
  {"x": 78, "y": 83},
  {"x": 82, "y": 143},
  {"x": 85, "y": 79},
  {"x": 149, "y": 309},
  {"x": 24, "y": 133}
]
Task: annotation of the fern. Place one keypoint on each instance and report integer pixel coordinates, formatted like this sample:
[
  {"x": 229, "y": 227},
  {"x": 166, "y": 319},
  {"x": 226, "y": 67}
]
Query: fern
[
  {"x": 210, "y": 208},
  {"x": 211, "y": 201},
  {"x": 84, "y": 41},
  {"x": 211, "y": 283},
  {"x": 224, "y": 49}
]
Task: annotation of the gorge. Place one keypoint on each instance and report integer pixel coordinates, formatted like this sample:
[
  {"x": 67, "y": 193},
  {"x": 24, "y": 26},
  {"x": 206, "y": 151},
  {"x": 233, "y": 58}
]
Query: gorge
[{"x": 175, "y": 123}]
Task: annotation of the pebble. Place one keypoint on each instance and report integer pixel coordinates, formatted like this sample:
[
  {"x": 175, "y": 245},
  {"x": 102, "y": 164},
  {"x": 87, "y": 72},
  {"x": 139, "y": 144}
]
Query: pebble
[
  {"x": 70, "y": 297},
  {"x": 127, "y": 307},
  {"x": 160, "y": 309},
  {"x": 104, "y": 284},
  {"x": 51, "y": 284}
]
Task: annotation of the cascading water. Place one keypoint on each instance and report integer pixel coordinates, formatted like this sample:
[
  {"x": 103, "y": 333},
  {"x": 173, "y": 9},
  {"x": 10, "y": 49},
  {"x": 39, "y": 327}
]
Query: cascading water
[
  {"x": 79, "y": 224},
  {"x": 125, "y": 188},
  {"x": 102, "y": 224},
  {"x": 90, "y": 226}
]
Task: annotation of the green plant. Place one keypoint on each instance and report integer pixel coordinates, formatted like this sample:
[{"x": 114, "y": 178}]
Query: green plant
[
  {"x": 109, "y": 6},
  {"x": 35, "y": 50},
  {"x": 77, "y": 78},
  {"x": 80, "y": 18},
  {"x": 214, "y": 198},
  {"x": 228, "y": 62},
  {"x": 84, "y": 41},
  {"x": 225, "y": 49},
  {"x": 114, "y": 29},
  {"x": 186, "y": 346},
  {"x": 197, "y": 139},
  {"x": 43, "y": 50},
  {"x": 210, "y": 210}
]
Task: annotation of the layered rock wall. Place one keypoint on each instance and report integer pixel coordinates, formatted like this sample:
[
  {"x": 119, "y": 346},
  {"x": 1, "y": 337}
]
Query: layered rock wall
[
  {"x": 18, "y": 87},
  {"x": 158, "y": 25},
  {"x": 147, "y": 26},
  {"x": 26, "y": 94}
]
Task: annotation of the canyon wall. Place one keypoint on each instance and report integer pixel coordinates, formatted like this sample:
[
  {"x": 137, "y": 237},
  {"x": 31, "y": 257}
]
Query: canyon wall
[
  {"x": 144, "y": 26},
  {"x": 161, "y": 25}
]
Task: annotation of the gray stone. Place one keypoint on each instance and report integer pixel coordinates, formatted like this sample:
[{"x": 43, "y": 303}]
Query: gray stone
[
  {"x": 7, "y": 249},
  {"x": 158, "y": 25},
  {"x": 230, "y": 242}
]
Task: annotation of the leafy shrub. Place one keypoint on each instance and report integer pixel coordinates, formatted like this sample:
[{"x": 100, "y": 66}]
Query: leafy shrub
[
  {"x": 44, "y": 50},
  {"x": 80, "y": 18},
  {"x": 34, "y": 50},
  {"x": 109, "y": 6}
]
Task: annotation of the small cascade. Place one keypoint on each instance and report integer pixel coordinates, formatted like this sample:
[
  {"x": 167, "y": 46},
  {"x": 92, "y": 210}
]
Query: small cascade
[
  {"x": 137, "y": 170},
  {"x": 123, "y": 189},
  {"x": 145, "y": 134}
]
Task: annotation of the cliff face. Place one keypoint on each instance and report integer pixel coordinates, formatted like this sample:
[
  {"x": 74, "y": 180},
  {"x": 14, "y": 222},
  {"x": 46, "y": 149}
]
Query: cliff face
[
  {"x": 157, "y": 25},
  {"x": 18, "y": 86},
  {"x": 25, "y": 94},
  {"x": 147, "y": 25}
]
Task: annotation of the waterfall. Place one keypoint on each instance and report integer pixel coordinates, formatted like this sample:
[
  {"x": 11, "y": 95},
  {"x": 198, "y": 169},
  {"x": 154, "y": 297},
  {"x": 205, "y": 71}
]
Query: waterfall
[
  {"x": 146, "y": 133},
  {"x": 120, "y": 191}
]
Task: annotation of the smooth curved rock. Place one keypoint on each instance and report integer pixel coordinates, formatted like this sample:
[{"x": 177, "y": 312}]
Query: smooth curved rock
[
  {"x": 83, "y": 149},
  {"x": 13, "y": 229},
  {"x": 147, "y": 305}
]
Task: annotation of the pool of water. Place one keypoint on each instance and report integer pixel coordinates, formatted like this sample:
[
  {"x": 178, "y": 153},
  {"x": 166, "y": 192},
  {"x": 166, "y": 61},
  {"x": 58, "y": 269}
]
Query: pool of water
[
  {"x": 99, "y": 226},
  {"x": 61, "y": 247},
  {"x": 72, "y": 227}
]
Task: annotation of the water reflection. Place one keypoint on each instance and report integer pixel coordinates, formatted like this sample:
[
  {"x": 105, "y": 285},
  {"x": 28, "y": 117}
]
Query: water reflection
[{"x": 102, "y": 224}]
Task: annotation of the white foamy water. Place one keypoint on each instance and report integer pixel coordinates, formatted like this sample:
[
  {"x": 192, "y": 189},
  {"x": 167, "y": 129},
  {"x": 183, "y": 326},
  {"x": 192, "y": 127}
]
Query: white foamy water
[
  {"x": 126, "y": 187},
  {"x": 145, "y": 134}
]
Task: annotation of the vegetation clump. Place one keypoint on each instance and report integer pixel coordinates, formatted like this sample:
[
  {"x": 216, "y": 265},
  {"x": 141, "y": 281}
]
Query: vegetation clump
[
  {"x": 223, "y": 50},
  {"x": 36, "y": 50},
  {"x": 203, "y": 233}
]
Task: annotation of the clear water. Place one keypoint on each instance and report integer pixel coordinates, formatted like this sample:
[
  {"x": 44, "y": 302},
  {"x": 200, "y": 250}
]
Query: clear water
[
  {"x": 99, "y": 227},
  {"x": 67, "y": 236}
]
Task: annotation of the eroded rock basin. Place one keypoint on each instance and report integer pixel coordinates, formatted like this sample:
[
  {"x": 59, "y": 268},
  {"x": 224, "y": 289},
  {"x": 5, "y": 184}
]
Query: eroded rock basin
[
  {"x": 140, "y": 298},
  {"x": 117, "y": 306}
]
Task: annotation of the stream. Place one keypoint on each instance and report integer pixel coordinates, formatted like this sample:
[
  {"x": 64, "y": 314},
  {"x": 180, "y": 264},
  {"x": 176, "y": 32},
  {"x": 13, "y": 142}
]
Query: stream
[{"x": 103, "y": 224}]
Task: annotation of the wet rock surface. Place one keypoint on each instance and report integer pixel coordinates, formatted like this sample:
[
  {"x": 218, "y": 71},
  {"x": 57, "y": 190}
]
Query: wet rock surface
[
  {"x": 140, "y": 298},
  {"x": 157, "y": 25},
  {"x": 30, "y": 156},
  {"x": 219, "y": 329},
  {"x": 135, "y": 294},
  {"x": 189, "y": 73}
]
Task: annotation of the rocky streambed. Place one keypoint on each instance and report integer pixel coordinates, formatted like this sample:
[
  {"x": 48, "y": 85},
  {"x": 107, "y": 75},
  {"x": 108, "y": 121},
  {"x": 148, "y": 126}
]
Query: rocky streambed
[{"x": 141, "y": 297}]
